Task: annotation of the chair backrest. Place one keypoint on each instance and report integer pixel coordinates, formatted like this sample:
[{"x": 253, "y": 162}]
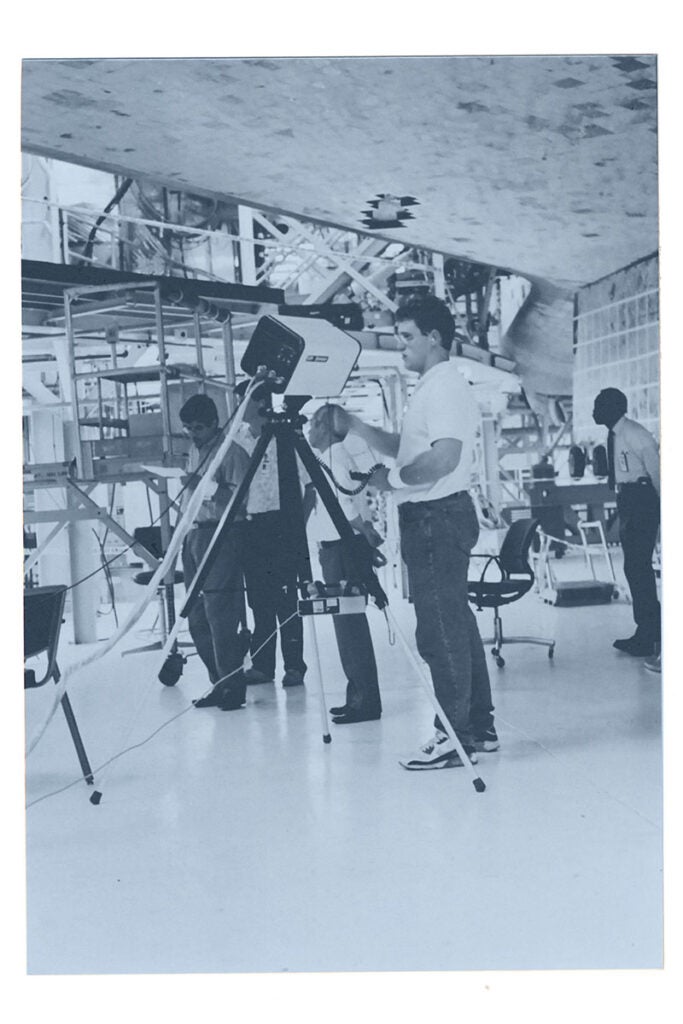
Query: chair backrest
[
  {"x": 150, "y": 538},
  {"x": 43, "y": 609},
  {"x": 514, "y": 551}
]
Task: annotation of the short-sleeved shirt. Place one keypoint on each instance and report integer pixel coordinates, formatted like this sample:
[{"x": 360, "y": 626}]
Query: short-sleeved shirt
[
  {"x": 636, "y": 453},
  {"x": 440, "y": 407},
  {"x": 340, "y": 461},
  {"x": 229, "y": 474}
]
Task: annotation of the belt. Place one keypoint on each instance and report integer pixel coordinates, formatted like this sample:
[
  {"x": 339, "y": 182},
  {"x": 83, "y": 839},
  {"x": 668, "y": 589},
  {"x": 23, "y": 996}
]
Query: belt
[
  {"x": 432, "y": 502},
  {"x": 642, "y": 481},
  {"x": 205, "y": 524}
]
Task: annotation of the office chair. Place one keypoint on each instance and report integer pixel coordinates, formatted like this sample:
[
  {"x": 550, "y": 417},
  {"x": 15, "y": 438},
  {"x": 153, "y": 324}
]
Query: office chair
[
  {"x": 516, "y": 579},
  {"x": 43, "y": 610}
]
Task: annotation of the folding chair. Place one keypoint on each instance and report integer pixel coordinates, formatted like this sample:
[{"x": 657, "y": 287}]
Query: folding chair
[{"x": 43, "y": 609}]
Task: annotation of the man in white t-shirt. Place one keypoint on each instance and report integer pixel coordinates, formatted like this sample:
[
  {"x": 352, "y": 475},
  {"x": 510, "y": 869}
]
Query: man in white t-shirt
[
  {"x": 352, "y": 632},
  {"x": 439, "y": 527}
]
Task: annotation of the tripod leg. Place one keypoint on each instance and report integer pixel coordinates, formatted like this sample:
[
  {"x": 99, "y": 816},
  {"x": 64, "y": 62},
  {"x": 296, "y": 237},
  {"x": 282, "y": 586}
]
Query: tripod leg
[
  {"x": 310, "y": 626},
  {"x": 477, "y": 782}
]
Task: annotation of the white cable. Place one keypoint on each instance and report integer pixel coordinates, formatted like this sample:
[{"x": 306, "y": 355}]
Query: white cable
[
  {"x": 167, "y": 562},
  {"x": 136, "y": 746}
]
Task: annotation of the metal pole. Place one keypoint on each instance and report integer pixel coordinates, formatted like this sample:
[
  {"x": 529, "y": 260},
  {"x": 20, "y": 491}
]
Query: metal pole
[
  {"x": 229, "y": 357},
  {"x": 198, "y": 346},
  {"x": 76, "y": 437},
  {"x": 163, "y": 373},
  {"x": 312, "y": 635}
]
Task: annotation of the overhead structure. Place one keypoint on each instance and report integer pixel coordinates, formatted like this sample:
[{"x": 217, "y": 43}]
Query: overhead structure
[{"x": 543, "y": 165}]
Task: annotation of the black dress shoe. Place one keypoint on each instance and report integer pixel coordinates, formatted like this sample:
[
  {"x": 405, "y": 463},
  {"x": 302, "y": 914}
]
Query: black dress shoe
[
  {"x": 212, "y": 700},
  {"x": 350, "y": 716},
  {"x": 232, "y": 702},
  {"x": 254, "y": 675},
  {"x": 636, "y": 646},
  {"x": 340, "y": 710}
]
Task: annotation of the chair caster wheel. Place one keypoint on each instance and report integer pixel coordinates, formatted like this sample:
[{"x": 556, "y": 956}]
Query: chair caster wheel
[
  {"x": 551, "y": 653},
  {"x": 500, "y": 662},
  {"x": 494, "y": 652}
]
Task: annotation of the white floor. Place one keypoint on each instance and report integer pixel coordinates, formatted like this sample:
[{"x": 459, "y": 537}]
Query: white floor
[{"x": 240, "y": 842}]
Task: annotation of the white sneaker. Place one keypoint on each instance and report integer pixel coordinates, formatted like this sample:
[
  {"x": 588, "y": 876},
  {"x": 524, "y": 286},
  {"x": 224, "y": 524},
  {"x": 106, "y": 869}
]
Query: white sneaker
[{"x": 438, "y": 752}]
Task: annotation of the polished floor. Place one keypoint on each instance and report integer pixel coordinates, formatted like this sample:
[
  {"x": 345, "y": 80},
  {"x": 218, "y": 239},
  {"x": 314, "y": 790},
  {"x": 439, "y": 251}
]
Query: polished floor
[{"x": 239, "y": 842}]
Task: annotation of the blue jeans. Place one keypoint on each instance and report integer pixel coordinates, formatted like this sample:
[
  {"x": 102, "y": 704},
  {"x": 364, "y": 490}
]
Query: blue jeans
[{"x": 436, "y": 540}]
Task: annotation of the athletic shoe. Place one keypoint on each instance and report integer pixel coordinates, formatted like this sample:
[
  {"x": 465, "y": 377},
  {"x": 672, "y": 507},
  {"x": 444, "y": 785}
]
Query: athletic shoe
[
  {"x": 654, "y": 664},
  {"x": 488, "y": 742},
  {"x": 436, "y": 753}
]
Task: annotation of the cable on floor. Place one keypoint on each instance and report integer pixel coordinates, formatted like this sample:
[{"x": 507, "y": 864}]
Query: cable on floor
[{"x": 136, "y": 746}]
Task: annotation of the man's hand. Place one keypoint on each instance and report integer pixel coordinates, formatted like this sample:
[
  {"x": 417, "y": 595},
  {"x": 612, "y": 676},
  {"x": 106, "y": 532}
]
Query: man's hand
[{"x": 379, "y": 480}]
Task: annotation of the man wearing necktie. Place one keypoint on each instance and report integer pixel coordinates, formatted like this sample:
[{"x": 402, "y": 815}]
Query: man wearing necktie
[{"x": 633, "y": 472}]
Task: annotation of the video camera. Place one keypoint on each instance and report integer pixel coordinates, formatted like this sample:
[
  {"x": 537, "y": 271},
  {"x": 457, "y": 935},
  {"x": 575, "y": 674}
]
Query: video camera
[{"x": 301, "y": 356}]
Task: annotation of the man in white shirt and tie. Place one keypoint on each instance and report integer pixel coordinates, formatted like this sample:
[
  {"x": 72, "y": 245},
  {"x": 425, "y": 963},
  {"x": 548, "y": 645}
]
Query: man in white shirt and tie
[
  {"x": 363, "y": 703},
  {"x": 633, "y": 471}
]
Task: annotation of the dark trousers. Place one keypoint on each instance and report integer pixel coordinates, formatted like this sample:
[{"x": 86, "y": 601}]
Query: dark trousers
[
  {"x": 352, "y": 631},
  {"x": 214, "y": 620},
  {"x": 638, "y": 508},
  {"x": 272, "y": 596},
  {"x": 436, "y": 540}
]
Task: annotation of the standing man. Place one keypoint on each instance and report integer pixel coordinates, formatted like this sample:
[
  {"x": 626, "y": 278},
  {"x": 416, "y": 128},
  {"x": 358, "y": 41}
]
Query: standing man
[
  {"x": 214, "y": 620},
  {"x": 633, "y": 471},
  {"x": 354, "y": 642},
  {"x": 439, "y": 528},
  {"x": 271, "y": 593}
]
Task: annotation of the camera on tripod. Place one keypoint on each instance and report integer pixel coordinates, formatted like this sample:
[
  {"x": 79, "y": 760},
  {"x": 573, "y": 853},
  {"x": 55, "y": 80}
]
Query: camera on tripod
[{"x": 301, "y": 356}]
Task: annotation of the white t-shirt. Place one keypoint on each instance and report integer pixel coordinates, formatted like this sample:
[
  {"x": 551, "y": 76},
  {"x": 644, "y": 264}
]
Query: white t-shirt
[
  {"x": 320, "y": 526},
  {"x": 441, "y": 406}
]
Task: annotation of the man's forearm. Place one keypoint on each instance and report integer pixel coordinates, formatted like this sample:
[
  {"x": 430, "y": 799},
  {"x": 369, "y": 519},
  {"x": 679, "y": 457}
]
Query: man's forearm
[
  {"x": 381, "y": 440},
  {"x": 432, "y": 465}
]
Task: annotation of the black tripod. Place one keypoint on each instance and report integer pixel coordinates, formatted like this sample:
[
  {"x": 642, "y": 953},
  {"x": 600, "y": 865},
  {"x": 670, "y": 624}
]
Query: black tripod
[{"x": 286, "y": 428}]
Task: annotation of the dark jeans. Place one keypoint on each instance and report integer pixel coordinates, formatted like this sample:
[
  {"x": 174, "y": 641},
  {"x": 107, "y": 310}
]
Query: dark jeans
[
  {"x": 214, "y": 620},
  {"x": 272, "y": 596},
  {"x": 352, "y": 631},
  {"x": 638, "y": 507},
  {"x": 436, "y": 540}
]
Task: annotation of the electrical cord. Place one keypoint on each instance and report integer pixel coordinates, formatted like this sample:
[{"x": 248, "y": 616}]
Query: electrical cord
[
  {"x": 136, "y": 746},
  {"x": 363, "y": 477}
]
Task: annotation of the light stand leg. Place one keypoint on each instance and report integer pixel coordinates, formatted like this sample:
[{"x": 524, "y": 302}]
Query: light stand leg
[
  {"x": 313, "y": 637},
  {"x": 477, "y": 782}
]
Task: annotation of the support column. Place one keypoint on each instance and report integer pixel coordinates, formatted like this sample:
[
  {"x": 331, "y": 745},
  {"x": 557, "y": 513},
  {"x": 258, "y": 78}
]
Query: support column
[
  {"x": 492, "y": 482},
  {"x": 83, "y": 560},
  {"x": 246, "y": 230},
  {"x": 48, "y": 446}
]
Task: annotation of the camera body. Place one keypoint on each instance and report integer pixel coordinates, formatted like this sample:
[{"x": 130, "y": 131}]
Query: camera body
[{"x": 308, "y": 357}]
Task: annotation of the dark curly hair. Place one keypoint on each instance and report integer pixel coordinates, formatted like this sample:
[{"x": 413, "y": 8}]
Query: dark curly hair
[{"x": 428, "y": 314}]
